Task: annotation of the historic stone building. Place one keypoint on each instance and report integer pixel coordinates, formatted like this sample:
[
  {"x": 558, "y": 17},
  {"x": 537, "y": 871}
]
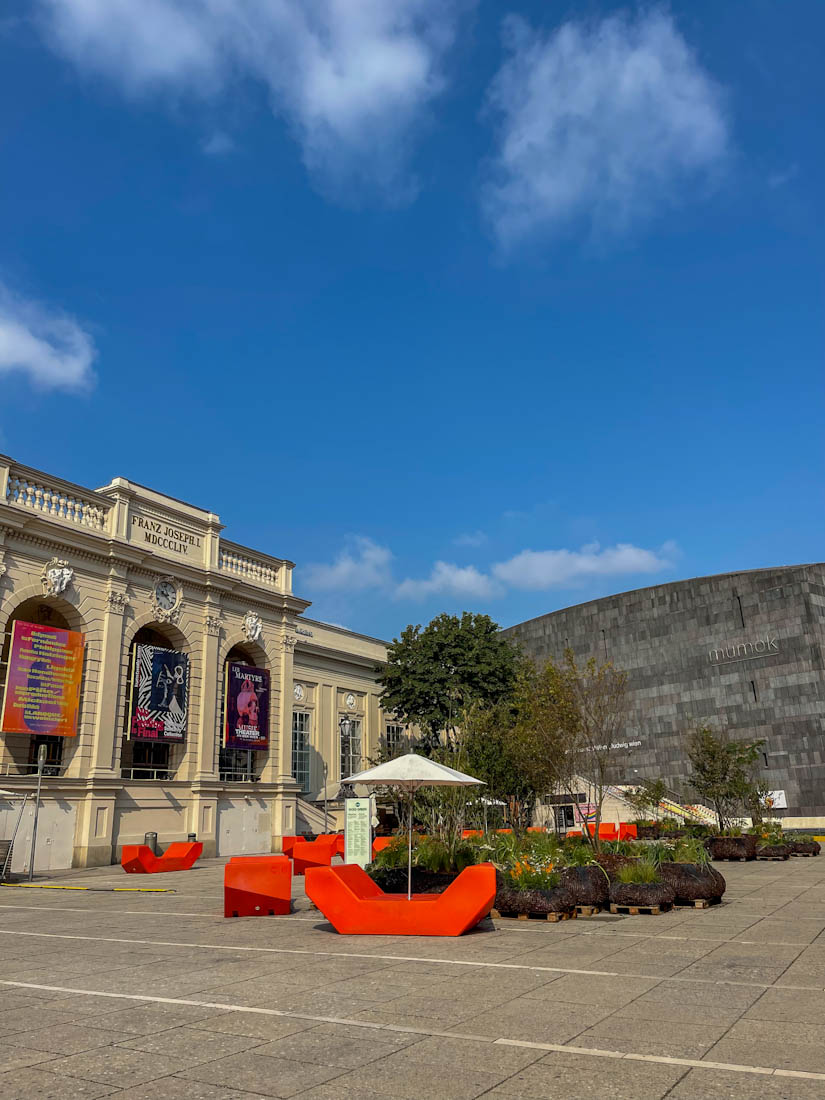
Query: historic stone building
[
  {"x": 739, "y": 651},
  {"x": 132, "y": 569}
]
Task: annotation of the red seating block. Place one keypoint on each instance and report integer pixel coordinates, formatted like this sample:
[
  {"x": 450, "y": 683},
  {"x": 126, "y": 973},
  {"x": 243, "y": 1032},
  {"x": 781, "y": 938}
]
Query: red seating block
[
  {"x": 317, "y": 853},
  {"x": 139, "y": 859},
  {"x": 380, "y": 843},
  {"x": 257, "y": 886},
  {"x": 627, "y": 831},
  {"x": 355, "y": 906}
]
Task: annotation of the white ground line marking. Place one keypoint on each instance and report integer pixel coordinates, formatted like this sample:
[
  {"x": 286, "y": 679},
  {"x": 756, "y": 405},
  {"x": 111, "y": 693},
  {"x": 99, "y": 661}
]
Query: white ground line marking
[
  {"x": 413, "y": 958},
  {"x": 691, "y": 1063},
  {"x": 500, "y": 927},
  {"x": 143, "y": 912}
]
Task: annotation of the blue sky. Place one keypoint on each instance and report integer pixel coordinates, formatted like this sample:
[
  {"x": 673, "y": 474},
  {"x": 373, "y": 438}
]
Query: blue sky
[{"x": 487, "y": 306}]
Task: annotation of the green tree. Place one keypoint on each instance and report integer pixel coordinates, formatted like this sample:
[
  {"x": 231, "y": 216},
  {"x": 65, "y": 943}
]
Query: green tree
[
  {"x": 647, "y": 796},
  {"x": 491, "y": 751},
  {"x": 570, "y": 719},
  {"x": 723, "y": 772},
  {"x": 434, "y": 673}
]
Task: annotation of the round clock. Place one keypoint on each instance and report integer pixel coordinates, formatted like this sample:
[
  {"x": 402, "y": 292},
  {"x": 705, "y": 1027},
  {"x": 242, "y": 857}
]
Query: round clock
[
  {"x": 166, "y": 595},
  {"x": 298, "y": 692}
]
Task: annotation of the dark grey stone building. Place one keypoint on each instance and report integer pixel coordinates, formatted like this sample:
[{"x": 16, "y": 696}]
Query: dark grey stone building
[{"x": 742, "y": 651}]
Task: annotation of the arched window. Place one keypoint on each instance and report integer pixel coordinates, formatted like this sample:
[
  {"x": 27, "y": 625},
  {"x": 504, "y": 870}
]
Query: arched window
[
  {"x": 252, "y": 693},
  {"x": 23, "y": 748},
  {"x": 146, "y": 757}
]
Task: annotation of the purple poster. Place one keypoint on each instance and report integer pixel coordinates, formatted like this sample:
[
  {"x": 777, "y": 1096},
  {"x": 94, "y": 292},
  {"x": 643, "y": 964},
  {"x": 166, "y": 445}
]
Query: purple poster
[{"x": 246, "y": 707}]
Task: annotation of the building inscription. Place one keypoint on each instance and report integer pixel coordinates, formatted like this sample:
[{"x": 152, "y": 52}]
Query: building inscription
[
  {"x": 163, "y": 535},
  {"x": 744, "y": 651}
]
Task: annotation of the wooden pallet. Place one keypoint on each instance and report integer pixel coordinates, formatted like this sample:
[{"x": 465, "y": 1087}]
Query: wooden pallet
[
  {"x": 553, "y": 918},
  {"x": 804, "y": 855},
  {"x": 733, "y": 859},
  {"x": 588, "y": 910},
  {"x": 635, "y": 910},
  {"x": 773, "y": 859},
  {"x": 697, "y": 903}
]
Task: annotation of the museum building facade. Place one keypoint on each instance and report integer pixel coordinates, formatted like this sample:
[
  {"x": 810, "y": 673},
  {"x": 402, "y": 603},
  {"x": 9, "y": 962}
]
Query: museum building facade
[
  {"x": 169, "y": 678},
  {"x": 741, "y": 652}
]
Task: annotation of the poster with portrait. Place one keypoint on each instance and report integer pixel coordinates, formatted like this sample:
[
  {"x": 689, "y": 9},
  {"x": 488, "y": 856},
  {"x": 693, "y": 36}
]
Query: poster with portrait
[
  {"x": 42, "y": 693},
  {"x": 246, "y": 707},
  {"x": 160, "y": 693}
]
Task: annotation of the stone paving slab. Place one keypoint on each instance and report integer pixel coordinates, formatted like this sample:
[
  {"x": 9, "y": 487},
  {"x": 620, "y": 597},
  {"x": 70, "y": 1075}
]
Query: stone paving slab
[{"x": 285, "y": 1007}]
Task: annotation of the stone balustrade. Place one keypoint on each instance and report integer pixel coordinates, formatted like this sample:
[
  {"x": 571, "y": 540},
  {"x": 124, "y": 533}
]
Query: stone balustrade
[
  {"x": 57, "y": 500},
  {"x": 257, "y": 570}
]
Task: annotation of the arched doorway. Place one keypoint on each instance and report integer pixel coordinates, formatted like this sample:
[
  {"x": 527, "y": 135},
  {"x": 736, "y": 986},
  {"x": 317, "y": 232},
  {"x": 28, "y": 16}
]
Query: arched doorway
[
  {"x": 239, "y": 765},
  {"x": 143, "y": 758},
  {"x": 22, "y": 749}
]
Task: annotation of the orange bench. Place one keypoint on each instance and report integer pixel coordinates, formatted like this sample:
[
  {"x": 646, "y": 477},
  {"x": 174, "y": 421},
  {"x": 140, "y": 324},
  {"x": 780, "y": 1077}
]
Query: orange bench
[
  {"x": 315, "y": 853},
  {"x": 627, "y": 831},
  {"x": 139, "y": 859},
  {"x": 356, "y": 906},
  {"x": 380, "y": 843},
  {"x": 337, "y": 839},
  {"x": 257, "y": 886}
]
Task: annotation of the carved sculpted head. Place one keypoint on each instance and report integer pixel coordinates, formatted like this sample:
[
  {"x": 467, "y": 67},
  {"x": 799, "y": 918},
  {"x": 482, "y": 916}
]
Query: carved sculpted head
[
  {"x": 57, "y": 576},
  {"x": 252, "y": 626}
]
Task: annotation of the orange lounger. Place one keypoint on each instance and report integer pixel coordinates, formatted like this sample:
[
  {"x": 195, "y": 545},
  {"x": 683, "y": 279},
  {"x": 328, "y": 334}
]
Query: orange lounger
[
  {"x": 627, "y": 831},
  {"x": 316, "y": 853},
  {"x": 139, "y": 859},
  {"x": 336, "y": 838},
  {"x": 380, "y": 843},
  {"x": 257, "y": 886},
  {"x": 355, "y": 906}
]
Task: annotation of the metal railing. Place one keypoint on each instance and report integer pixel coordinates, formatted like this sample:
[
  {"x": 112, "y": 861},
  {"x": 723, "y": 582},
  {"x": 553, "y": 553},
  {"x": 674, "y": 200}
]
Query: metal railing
[{"x": 139, "y": 772}]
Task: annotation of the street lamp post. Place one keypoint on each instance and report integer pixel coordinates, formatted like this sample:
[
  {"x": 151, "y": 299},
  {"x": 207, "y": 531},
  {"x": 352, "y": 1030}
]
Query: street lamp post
[
  {"x": 41, "y": 761},
  {"x": 326, "y": 796}
]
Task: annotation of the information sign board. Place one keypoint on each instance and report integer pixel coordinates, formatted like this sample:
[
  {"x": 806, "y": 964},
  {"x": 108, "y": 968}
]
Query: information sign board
[{"x": 357, "y": 831}]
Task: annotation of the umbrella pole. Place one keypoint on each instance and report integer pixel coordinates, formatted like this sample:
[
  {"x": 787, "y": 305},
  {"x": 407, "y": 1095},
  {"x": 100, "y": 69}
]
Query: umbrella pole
[{"x": 409, "y": 845}]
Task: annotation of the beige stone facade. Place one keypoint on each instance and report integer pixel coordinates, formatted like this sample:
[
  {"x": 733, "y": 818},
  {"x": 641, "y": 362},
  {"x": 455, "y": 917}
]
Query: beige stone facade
[{"x": 123, "y": 564}]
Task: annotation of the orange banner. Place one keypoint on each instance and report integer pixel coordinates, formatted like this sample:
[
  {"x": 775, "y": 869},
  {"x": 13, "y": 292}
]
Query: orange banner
[{"x": 43, "y": 683}]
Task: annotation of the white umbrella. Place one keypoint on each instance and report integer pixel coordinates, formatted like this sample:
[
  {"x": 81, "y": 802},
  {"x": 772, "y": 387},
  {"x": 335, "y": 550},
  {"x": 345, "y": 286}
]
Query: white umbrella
[{"x": 411, "y": 772}]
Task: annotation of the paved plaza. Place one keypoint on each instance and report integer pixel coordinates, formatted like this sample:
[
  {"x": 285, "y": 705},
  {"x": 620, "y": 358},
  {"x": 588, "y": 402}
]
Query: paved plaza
[{"x": 157, "y": 995}]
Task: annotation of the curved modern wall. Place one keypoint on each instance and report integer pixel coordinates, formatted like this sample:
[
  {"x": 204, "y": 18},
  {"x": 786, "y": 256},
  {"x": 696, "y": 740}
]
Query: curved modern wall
[{"x": 742, "y": 651}]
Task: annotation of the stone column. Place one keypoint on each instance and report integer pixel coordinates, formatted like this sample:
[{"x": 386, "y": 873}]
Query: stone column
[
  {"x": 106, "y": 732},
  {"x": 208, "y": 709},
  {"x": 285, "y": 802}
]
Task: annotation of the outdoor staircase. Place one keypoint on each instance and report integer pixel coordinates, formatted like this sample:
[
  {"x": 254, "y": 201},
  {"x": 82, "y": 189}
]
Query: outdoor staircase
[{"x": 309, "y": 818}]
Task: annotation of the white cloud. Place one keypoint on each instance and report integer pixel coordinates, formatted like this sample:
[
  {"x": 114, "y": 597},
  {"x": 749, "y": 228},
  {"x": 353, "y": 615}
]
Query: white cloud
[
  {"x": 353, "y": 78},
  {"x": 470, "y": 538},
  {"x": 602, "y": 122},
  {"x": 364, "y": 564},
  {"x": 218, "y": 144},
  {"x": 51, "y": 348},
  {"x": 449, "y": 580},
  {"x": 539, "y": 569}
]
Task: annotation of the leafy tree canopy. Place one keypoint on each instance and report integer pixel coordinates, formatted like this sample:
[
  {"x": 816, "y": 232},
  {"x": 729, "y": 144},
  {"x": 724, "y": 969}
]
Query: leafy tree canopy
[
  {"x": 723, "y": 772},
  {"x": 434, "y": 672}
]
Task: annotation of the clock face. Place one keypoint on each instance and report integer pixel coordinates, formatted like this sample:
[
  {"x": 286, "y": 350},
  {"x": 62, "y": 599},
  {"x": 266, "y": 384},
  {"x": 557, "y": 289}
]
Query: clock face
[
  {"x": 298, "y": 692},
  {"x": 166, "y": 594}
]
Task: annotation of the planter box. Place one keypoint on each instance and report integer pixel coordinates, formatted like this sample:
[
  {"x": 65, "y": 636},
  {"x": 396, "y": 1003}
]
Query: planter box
[
  {"x": 693, "y": 882},
  {"x": 732, "y": 847}
]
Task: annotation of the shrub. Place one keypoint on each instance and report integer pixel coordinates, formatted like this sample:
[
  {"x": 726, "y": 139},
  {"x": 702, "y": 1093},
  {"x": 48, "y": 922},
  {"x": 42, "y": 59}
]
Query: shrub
[
  {"x": 641, "y": 872},
  {"x": 691, "y": 850},
  {"x": 525, "y": 877}
]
